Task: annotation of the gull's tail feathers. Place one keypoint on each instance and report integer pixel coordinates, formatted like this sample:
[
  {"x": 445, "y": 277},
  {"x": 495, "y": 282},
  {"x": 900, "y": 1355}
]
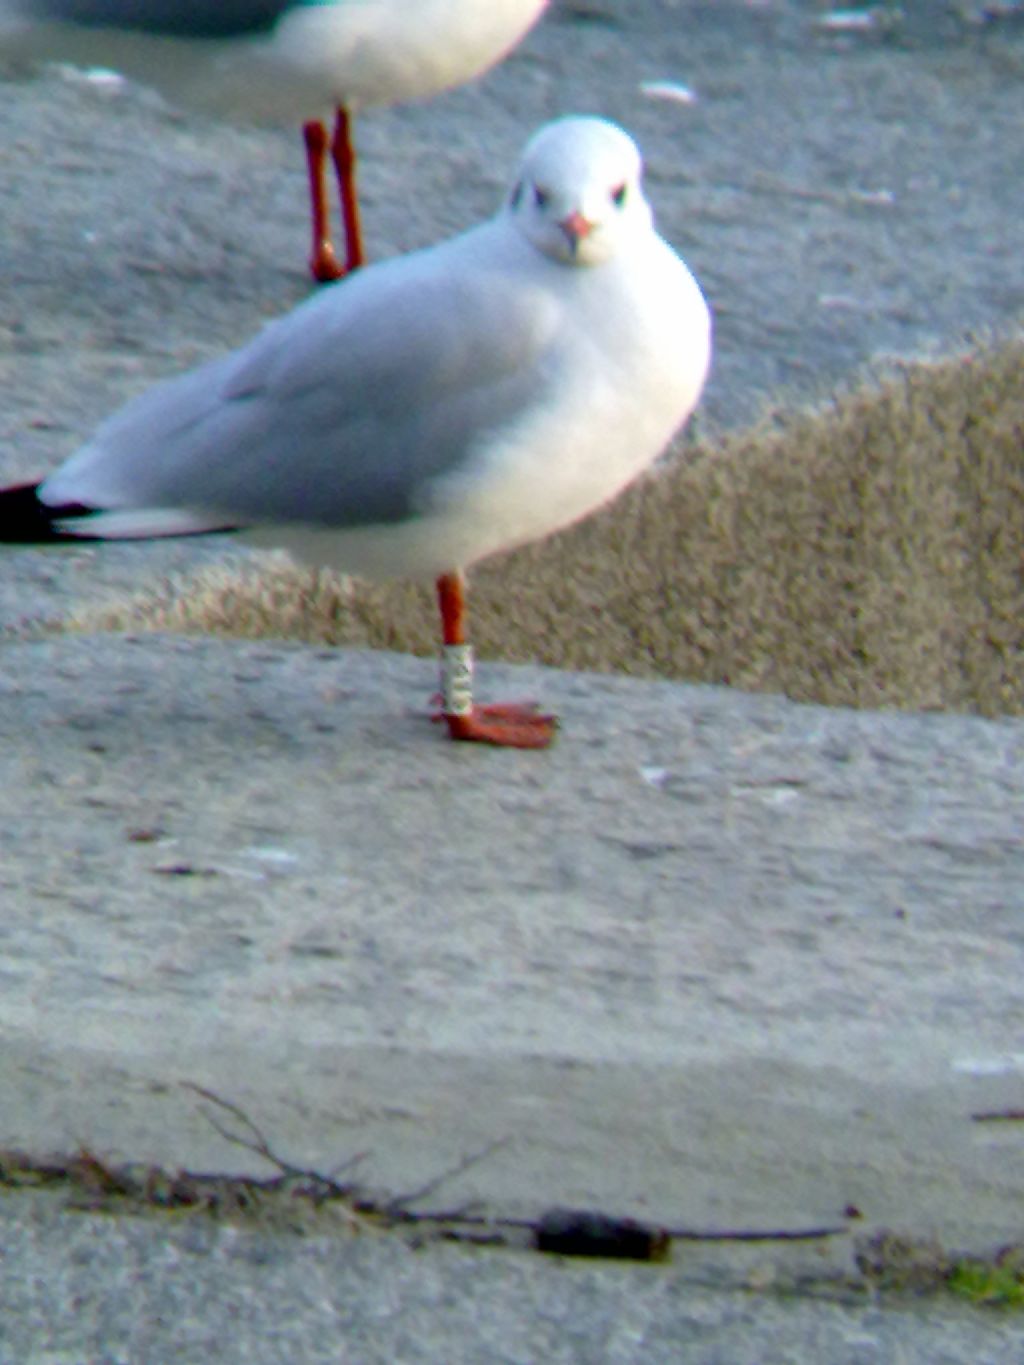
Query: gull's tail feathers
[{"x": 26, "y": 520}]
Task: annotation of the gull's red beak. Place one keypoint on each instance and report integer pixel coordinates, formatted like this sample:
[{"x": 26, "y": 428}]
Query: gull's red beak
[{"x": 576, "y": 227}]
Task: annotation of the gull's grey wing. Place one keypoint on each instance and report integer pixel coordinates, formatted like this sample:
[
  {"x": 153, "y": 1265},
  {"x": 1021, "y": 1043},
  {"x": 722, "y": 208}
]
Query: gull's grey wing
[
  {"x": 171, "y": 18},
  {"x": 342, "y": 413}
]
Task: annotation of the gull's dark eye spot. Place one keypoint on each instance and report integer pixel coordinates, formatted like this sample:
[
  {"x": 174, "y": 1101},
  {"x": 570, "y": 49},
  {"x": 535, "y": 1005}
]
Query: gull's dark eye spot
[
  {"x": 619, "y": 196},
  {"x": 540, "y": 197}
]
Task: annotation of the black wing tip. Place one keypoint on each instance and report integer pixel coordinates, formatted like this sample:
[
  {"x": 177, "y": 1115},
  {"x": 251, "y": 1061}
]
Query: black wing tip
[{"x": 24, "y": 520}]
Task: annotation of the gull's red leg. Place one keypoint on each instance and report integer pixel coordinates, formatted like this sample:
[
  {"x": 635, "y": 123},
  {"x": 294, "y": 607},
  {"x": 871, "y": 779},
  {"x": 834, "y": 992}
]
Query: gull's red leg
[
  {"x": 512, "y": 725},
  {"x": 323, "y": 262},
  {"x": 343, "y": 154}
]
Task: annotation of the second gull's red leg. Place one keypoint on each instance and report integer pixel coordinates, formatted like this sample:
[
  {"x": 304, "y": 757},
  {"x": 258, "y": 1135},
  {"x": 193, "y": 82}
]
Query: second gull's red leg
[
  {"x": 323, "y": 262},
  {"x": 343, "y": 155}
]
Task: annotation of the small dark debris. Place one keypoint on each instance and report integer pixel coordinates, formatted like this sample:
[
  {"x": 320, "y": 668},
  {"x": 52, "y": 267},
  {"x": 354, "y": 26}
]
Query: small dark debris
[
  {"x": 315, "y": 950},
  {"x": 18, "y": 1169},
  {"x": 906, "y": 1265},
  {"x": 183, "y": 870},
  {"x": 578, "y": 12},
  {"x": 643, "y": 850},
  {"x": 97, "y": 1177},
  {"x": 582, "y": 1232}
]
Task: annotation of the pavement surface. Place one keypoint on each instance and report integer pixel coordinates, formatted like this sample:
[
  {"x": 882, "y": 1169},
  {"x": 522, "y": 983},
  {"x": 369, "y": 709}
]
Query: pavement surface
[{"x": 715, "y": 961}]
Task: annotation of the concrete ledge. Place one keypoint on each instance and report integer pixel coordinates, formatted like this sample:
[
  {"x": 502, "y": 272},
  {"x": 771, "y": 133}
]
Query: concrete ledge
[{"x": 714, "y": 959}]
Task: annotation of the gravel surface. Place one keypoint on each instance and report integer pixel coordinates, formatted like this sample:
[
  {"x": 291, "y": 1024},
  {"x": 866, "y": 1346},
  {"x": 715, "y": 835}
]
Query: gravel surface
[{"x": 127, "y": 1293}]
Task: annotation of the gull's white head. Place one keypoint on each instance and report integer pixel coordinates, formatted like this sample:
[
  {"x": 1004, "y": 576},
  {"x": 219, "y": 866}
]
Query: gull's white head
[{"x": 578, "y": 197}]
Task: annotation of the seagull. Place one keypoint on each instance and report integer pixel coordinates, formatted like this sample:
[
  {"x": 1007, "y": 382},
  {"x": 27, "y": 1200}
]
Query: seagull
[
  {"x": 281, "y": 61},
  {"x": 431, "y": 411}
]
